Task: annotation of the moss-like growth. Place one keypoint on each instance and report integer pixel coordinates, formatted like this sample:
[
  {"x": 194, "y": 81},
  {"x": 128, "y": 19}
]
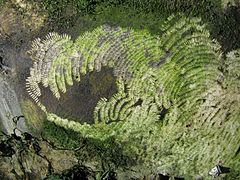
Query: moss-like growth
[
  {"x": 171, "y": 106},
  {"x": 34, "y": 117}
]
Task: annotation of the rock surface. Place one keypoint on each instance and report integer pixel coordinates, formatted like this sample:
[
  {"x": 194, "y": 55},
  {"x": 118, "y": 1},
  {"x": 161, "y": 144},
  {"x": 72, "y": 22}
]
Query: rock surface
[
  {"x": 27, "y": 157},
  {"x": 10, "y": 108}
]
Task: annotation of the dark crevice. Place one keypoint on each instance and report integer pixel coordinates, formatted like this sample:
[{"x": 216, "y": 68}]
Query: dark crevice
[
  {"x": 138, "y": 103},
  {"x": 163, "y": 177},
  {"x": 1, "y": 62},
  {"x": 80, "y": 100},
  {"x": 6, "y": 149},
  {"x": 163, "y": 113},
  {"x": 178, "y": 178}
]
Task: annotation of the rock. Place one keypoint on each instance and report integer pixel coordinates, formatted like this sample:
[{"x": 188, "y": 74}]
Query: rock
[
  {"x": 9, "y": 108},
  {"x": 33, "y": 158}
]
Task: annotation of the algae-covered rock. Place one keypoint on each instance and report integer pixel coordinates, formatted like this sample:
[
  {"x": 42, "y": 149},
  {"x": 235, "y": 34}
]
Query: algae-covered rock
[{"x": 34, "y": 117}]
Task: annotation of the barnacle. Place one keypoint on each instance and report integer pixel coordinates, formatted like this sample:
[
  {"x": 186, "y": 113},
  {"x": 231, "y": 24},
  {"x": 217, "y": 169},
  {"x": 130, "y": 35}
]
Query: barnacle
[{"x": 170, "y": 103}]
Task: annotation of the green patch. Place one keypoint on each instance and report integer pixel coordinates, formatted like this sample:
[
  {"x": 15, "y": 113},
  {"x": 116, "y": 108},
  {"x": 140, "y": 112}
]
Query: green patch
[
  {"x": 2, "y": 2},
  {"x": 172, "y": 116},
  {"x": 63, "y": 13},
  {"x": 34, "y": 117},
  {"x": 158, "y": 113},
  {"x": 61, "y": 137},
  {"x": 76, "y": 16},
  {"x": 101, "y": 155}
]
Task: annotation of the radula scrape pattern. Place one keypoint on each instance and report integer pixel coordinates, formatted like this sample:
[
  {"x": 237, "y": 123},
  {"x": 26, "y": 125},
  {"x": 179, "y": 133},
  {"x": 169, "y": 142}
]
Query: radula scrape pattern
[{"x": 171, "y": 94}]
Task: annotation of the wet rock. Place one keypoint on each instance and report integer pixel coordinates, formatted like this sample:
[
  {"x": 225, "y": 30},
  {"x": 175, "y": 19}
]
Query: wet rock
[{"x": 9, "y": 108}]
